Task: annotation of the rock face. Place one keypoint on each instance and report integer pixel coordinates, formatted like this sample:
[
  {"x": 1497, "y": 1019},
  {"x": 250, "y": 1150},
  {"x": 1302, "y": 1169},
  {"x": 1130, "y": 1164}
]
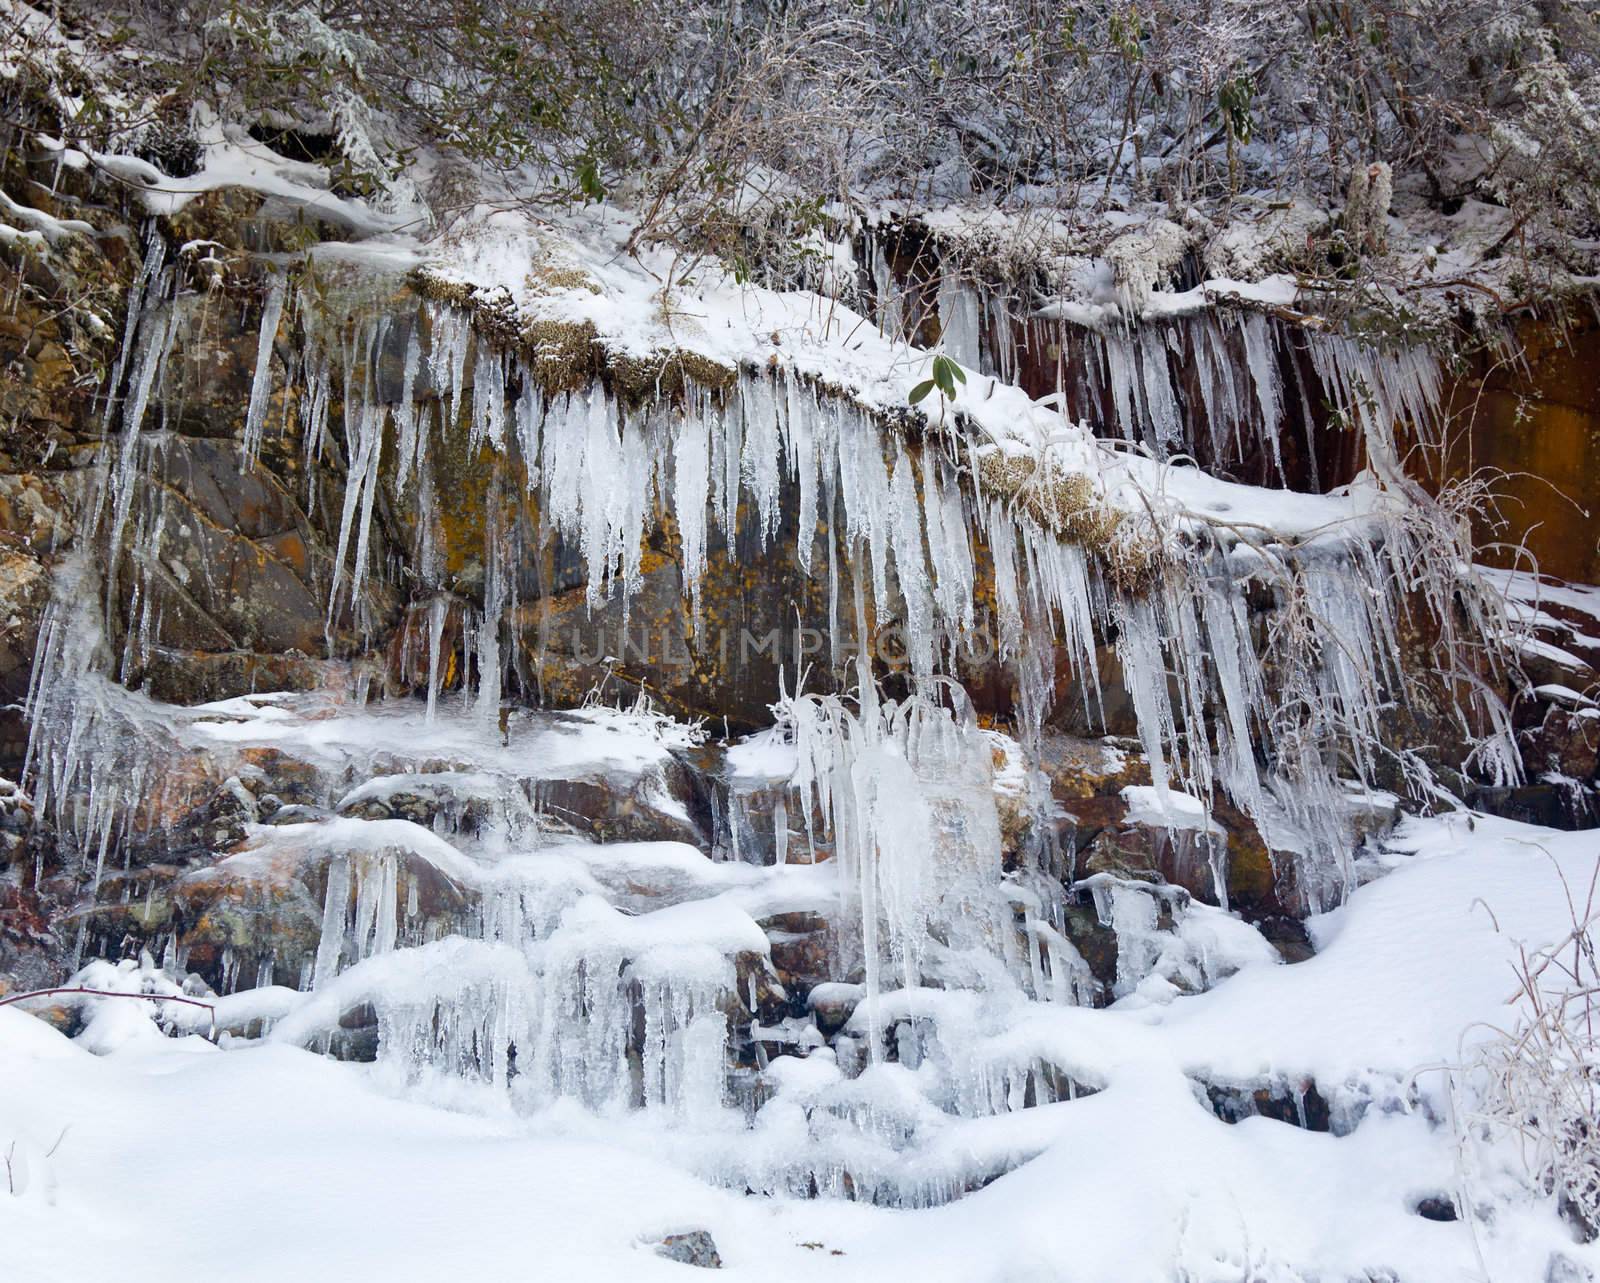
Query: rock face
[
  {"x": 1536, "y": 423},
  {"x": 227, "y": 566}
]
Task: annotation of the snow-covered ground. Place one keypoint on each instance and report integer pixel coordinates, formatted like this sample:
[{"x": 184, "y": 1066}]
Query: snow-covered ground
[{"x": 169, "y": 1157}]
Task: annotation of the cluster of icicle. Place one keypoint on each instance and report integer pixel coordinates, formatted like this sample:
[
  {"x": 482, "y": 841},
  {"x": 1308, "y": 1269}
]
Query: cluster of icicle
[
  {"x": 911, "y": 532},
  {"x": 90, "y": 760},
  {"x": 553, "y": 993},
  {"x": 541, "y": 988},
  {"x": 906, "y": 790},
  {"x": 1210, "y": 384},
  {"x": 547, "y": 992},
  {"x": 98, "y": 755},
  {"x": 905, "y": 531},
  {"x": 568, "y": 1014}
]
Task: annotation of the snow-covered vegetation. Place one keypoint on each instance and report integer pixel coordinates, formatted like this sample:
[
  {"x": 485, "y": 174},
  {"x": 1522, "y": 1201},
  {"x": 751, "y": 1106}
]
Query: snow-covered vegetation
[{"x": 737, "y": 130}]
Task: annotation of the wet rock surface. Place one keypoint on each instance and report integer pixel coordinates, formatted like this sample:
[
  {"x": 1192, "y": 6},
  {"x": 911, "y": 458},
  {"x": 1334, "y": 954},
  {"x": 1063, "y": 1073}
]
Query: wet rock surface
[{"x": 1087, "y": 779}]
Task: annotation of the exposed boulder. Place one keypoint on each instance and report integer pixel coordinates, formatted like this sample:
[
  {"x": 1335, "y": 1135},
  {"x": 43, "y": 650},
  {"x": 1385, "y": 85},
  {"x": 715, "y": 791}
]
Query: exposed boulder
[{"x": 691, "y": 1247}]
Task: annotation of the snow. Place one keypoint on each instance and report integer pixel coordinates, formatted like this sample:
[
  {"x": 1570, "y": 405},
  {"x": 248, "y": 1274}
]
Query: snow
[
  {"x": 1137, "y": 1179},
  {"x": 658, "y": 866},
  {"x": 268, "y": 845},
  {"x": 766, "y": 755},
  {"x": 231, "y": 158},
  {"x": 40, "y": 226},
  {"x": 473, "y": 1194},
  {"x": 1417, "y": 961},
  {"x": 745, "y": 326},
  {"x": 552, "y": 746},
  {"x": 1563, "y": 695},
  {"x": 1169, "y": 808},
  {"x": 1158, "y": 305},
  {"x": 1527, "y": 596},
  {"x": 1526, "y": 586},
  {"x": 1537, "y": 648}
]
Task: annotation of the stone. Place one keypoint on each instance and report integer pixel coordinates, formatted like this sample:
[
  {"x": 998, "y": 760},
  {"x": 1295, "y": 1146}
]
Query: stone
[
  {"x": 1548, "y": 805},
  {"x": 1564, "y": 742},
  {"x": 264, "y": 907},
  {"x": 753, "y": 975},
  {"x": 1288, "y": 936},
  {"x": 1182, "y": 856},
  {"x": 28, "y": 942},
  {"x": 1437, "y": 1207},
  {"x": 1298, "y": 1103},
  {"x": 1086, "y": 778},
  {"x": 614, "y": 809},
  {"x": 24, "y": 591},
  {"x": 832, "y": 1004},
  {"x": 691, "y": 1247},
  {"x": 1095, "y": 943},
  {"x": 802, "y": 949}
]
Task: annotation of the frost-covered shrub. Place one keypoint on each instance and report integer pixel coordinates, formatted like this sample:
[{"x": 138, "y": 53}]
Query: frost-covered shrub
[
  {"x": 1537, "y": 1083},
  {"x": 742, "y": 128}
]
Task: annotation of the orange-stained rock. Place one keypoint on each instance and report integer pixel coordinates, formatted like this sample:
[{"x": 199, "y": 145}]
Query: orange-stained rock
[{"x": 1538, "y": 426}]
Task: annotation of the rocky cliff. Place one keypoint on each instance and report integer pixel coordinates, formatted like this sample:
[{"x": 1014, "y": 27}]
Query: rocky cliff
[{"x": 464, "y": 656}]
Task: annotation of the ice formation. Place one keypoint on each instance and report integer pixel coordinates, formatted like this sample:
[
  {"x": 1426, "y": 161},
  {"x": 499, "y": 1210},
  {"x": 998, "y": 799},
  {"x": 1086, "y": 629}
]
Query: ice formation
[
  {"x": 917, "y": 530},
  {"x": 489, "y": 947}
]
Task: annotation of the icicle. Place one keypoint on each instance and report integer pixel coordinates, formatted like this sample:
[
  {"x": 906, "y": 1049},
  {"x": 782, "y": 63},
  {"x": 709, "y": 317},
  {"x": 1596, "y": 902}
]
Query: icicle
[
  {"x": 910, "y": 568},
  {"x": 691, "y": 464},
  {"x": 958, "y": 320},
  {"x": 801, "y": 418},
  {"x": 899, "y": 781},
  {"x": 1145, "y": 676},
  {"x": 1166, "y": 426},
  {"x": 335, "y": 905},
  {"x": 495, "y": 596},
  {"x": 761, "y": 453},
  {"x": 155, "y": 340},
  {"x": 1263, "y": 365},
  {"x": 360, "y": 491},
  {"x": 1121, "y": 373},
  {"x": 261, "y": 385}
]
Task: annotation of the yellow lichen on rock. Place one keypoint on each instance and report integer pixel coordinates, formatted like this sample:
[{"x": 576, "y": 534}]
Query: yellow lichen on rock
[
  {"x": 1070, "y": 504},
  {"x": 563, "y": 356},
  {"x": 666, "y": 373}
]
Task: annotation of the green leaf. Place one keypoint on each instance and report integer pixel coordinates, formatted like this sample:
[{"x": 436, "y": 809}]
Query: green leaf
[
  {"x": 589, "y": 180},
  {"x": 947, "y": 374},
  {"x": 919, "y": 392}
]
